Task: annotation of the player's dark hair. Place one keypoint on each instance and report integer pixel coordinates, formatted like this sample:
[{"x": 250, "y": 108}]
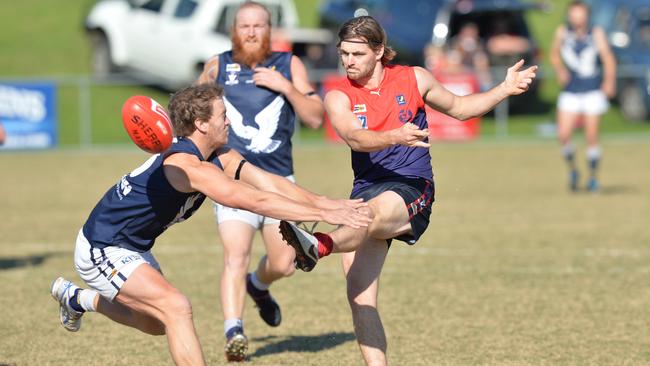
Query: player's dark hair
[
  {"x": 192, "y": 103},
  {"x": 368, "y": 29}
]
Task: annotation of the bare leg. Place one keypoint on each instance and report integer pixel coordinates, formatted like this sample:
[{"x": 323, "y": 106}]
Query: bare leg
[
  {"x": 592, "y": 123},
  {"x": 566, "y": 122},
  {"x": 237, "y": 239},
  {"x": 366, "y": 250},
  {"x": 362, "y": 269},
  {"x": 278, "y": 262},
  {"x": 126, "y": 316},
  {"x": 148, "y": 295},
  {"x": 390, "y": 219}
]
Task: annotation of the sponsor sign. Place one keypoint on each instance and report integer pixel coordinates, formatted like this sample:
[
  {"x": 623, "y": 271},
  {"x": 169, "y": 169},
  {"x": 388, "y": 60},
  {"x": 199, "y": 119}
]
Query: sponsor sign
[{"x": 28, "y": 115}]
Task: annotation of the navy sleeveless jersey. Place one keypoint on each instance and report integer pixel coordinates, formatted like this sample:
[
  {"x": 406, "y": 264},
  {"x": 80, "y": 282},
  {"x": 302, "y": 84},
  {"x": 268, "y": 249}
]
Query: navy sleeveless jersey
[
  {"x": 581, "y": 58},
  {"x": 143, "y": 204},
  {"x": 261, "y": 120}
]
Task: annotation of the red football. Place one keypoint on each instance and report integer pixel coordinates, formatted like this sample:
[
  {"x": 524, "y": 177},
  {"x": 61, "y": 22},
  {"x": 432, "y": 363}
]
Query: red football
[{"x": 147, "y": 124}]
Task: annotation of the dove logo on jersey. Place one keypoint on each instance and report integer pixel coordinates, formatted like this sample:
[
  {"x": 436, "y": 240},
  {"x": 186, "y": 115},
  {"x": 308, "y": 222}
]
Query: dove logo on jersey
[
  {"x": 232, "y": 79},
  {"x": 180, "y": 216},
  {"x": 123, "y": 188},
  {"x": 267, "y": 120},
  {"x": 359, "y": 108}
]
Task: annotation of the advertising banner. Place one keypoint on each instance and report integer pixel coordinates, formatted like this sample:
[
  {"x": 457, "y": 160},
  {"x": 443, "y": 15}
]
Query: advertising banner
[
  {"x": 28, "y": 115},
  {"x": 445, "y": 128}
]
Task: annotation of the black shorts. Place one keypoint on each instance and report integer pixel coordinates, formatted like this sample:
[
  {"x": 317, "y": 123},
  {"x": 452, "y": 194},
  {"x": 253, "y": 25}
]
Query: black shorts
[{"x": 418, "y": 196}]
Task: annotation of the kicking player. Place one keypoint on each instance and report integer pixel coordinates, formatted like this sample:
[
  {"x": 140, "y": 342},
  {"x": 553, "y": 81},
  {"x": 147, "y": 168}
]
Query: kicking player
[
  {"x": 378, "y": 110},
  {"x": 112, "y": 253},
  {"x": 577, "y": 52}
]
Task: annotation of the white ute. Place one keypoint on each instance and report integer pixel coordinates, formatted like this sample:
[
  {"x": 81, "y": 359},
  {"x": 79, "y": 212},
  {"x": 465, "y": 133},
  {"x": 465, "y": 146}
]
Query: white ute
[{"x": 166, "y": 42}]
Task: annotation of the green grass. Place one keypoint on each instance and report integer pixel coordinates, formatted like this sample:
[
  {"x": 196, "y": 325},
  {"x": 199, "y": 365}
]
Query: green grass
[{"x": 513, "y": 270}]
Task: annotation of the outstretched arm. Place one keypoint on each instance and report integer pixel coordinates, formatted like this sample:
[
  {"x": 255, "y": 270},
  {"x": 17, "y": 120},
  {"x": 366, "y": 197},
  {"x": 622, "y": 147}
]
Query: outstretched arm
[
  {"x": 474, "y": 105},
  {"x": 186, "y": 173},
  {"x": 263, "y": 180},
  {"x": 359, "y": 138}
]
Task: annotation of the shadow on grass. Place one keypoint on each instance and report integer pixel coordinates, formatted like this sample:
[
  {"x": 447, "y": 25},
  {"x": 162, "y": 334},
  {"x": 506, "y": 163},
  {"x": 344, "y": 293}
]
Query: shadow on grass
[
  {"x": 314, "y": 343},
  {"x": 611, "y": 190},
  {"x": 18, "y": 262},
  {"x": 618, "y": 189}
]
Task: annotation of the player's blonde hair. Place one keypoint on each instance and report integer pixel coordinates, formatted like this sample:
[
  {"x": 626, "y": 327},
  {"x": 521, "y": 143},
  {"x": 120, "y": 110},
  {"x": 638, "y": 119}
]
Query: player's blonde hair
[
  {"x": 368, "y": 29},
  {"x": 192, "y": 103}
]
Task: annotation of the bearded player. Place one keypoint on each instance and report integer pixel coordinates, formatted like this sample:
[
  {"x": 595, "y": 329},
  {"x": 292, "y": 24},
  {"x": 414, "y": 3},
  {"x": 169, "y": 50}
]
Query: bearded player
[{"x": 264, "y": 91}]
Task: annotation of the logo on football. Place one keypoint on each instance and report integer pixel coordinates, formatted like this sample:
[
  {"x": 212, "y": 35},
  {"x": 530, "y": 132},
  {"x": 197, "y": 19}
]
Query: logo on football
[{"x": 147, "y": 124}]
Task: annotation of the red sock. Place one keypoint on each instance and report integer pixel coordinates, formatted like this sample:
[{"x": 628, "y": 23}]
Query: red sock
[{"x": 324, "y": 244}]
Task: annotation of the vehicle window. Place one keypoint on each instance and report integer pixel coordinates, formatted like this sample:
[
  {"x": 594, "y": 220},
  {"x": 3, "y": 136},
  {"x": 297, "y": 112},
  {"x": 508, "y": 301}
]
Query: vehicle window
[
  {"x": 185, "y": 8},
  {"x": 153, "y": 5},
  {"x": 621, "y": 20},
  {"x": 276, "y": 14},
  {"x": 643, "y": 31},
  {"x": 227, "y": 17},
  {"x": 491, "y": 23}
]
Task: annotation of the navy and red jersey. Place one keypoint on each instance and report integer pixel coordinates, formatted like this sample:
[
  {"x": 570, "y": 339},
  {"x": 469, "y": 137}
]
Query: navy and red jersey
[
  {"x": 143, "y": 204},
  {"x": 262, "y": 121},
  {"x": 395, "y": 102}
]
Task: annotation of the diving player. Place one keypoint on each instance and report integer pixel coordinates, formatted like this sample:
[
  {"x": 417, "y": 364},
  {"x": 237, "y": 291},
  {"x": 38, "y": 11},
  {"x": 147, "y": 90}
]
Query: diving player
[{"x": 112, "y": 253}]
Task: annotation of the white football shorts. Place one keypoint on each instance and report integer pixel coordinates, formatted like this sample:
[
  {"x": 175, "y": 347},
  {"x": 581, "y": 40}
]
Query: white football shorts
[
  {"x": 105, "y": 270},
  {"x": 591, "y": 103},
  {"x": 225, "y": 213}
]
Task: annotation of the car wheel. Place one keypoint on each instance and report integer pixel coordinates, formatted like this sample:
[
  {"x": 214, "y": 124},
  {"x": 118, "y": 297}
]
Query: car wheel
[
  {"x": 101, "y": 64},
  {"x": 632, "y": 103}
]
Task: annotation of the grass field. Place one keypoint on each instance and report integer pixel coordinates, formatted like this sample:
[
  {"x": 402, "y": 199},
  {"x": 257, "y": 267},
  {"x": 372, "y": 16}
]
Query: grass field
[{"x": 513, "y": 270}]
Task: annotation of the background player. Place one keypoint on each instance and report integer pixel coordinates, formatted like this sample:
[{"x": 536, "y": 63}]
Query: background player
[
  {"x": 577, "y": 52},
  {"x": 112, "y": 253},
  {"x": 263, "y": 92},
  {"x": 378, "y": 110}
]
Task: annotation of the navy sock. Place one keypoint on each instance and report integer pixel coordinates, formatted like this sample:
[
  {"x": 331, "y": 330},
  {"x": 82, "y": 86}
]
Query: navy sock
[
  {"x": 74, "y": 301},
  {"x": 570, "y": 161},
  {"x": 593, "y": 166}
]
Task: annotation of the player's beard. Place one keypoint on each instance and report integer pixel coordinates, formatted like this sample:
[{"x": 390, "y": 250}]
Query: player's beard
[{"x": 245, "y": 54}]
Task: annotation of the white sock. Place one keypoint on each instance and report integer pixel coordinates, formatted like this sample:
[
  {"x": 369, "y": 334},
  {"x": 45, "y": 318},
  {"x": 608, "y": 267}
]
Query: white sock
[
  {"x": 257, "y": 283},
  {"x": 231, "y": 323},
  {"x": 594, "y": 153},
  {"x": 568, "y": 150},
  {"x": 86, "y": 299}
]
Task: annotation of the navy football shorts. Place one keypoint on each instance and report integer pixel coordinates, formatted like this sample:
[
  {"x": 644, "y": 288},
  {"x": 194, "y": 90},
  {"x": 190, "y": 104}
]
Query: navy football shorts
[{"x": 418, "y": 196}]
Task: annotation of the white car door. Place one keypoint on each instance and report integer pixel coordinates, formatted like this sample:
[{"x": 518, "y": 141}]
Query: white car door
[{"x": 145, "y": 26}]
